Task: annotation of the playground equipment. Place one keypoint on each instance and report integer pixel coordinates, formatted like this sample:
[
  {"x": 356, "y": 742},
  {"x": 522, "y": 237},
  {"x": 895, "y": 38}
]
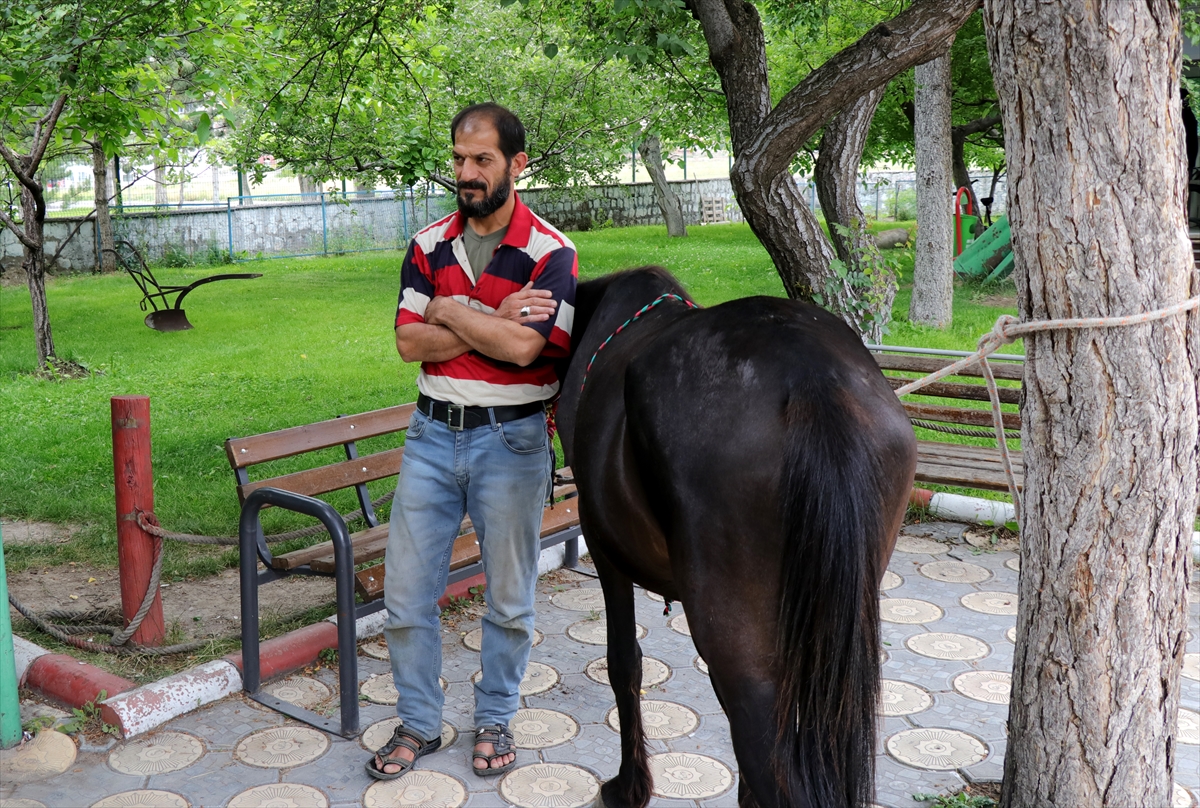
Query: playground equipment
[
  {"x": 989, "y": 256},
  {"x": 10, "y": 707},
  {"x": 964, "y": 223}
]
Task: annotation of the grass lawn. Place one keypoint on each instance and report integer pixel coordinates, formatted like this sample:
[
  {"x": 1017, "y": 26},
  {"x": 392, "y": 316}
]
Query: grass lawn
[{"x": 309, "y": 340}]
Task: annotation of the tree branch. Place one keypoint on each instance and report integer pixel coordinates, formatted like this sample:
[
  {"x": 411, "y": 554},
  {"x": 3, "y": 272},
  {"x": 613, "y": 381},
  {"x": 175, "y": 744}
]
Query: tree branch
[
  {"x": 911, "y": 38},
  {"x": 7, "y": 221}
]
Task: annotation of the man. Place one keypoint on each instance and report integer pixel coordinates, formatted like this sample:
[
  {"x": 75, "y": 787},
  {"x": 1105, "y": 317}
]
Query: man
[{"x": 486, "y": 306}]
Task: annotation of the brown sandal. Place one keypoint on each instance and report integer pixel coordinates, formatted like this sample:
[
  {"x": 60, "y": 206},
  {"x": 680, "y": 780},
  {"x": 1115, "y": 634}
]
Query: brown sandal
[{"x": 503, "y": 743}]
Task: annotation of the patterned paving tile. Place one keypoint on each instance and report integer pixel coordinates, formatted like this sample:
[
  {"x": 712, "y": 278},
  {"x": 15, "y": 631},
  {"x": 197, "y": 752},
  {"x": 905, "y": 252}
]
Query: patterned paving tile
[
  {"x": 292, "y": 795},
  {"x": 159, "y": 753},
  {"x": 143, "y": 798},
  {"x": 550, "y": 785},
  {"x": 417, "y": 789},
  {"x": 688, "y": 776}
]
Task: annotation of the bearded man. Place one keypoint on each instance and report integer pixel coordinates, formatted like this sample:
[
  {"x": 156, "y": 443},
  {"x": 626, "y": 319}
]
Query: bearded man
[{"x": 486, "y": 307}]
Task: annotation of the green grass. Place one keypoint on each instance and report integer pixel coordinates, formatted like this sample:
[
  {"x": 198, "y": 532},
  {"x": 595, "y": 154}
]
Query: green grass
[{"x": 309, "y": 340}]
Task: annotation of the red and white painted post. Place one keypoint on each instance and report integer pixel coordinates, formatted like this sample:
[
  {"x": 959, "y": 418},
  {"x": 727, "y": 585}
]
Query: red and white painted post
[{"x": 134, "y": 480}]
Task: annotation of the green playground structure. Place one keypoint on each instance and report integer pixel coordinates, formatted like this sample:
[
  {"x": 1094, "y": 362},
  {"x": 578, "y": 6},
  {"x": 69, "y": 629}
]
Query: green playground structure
[{"x": 989, "y": 256}]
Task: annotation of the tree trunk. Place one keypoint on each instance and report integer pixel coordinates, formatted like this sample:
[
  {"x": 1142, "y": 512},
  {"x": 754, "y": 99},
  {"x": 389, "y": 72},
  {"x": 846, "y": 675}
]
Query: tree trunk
[
  {"x": 933, "y": 269},
  {"x": 33, "y": 214},
  {"x": 1109, "y": 419},
  {"x": 962, "y": 175},
  {"x": 766, "y": 140},
  {"x": 836, "y": 177},
  {"x": 104, "y": 225},
  {"x": 160, "y": 186},
  {"x": 308, "y": 185},
  {"x": 672, "y": 209}
]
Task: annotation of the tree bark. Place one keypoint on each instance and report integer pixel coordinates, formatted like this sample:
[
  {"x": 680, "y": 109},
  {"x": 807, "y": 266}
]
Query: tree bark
[
  {"x": 650, "y": 150},
  {"x": 836, "y": 177},
  {"x": 33, "y": 214},
  {"x": 1095, "y": 149},
  {"x": 104, "y": 225},
  {"x": 933, "y": 267},
  {"x": 308, "y": 185},
  {"x": 160, "y": 186},
  {"x": 765, "y": 140}
]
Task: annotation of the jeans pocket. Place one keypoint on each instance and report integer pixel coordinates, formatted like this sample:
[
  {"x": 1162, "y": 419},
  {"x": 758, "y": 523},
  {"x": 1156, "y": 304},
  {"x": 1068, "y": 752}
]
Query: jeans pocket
[
  {"x": 525, "y": 435},
  {"x": 416, "y": 426}
]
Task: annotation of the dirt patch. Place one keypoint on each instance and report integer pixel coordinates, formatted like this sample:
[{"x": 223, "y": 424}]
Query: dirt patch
[
  {"x": 19, "y": 531},
  {"x": 993, "y": 538},
  {"x": 998, "y": 301},
  {"x": 196, "y": 609}
]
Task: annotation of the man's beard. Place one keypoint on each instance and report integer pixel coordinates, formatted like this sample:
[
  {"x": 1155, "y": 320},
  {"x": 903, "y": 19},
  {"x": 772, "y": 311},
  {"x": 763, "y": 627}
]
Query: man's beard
[{"x": 489, "y": 204}]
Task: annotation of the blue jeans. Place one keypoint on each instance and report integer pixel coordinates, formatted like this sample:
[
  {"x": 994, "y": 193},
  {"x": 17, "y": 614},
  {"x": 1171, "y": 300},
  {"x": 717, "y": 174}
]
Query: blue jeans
[{"x": 499, "y": 475}]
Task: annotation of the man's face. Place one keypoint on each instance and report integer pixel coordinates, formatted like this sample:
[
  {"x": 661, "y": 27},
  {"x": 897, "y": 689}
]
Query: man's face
[{"x": 484, "y": 175}]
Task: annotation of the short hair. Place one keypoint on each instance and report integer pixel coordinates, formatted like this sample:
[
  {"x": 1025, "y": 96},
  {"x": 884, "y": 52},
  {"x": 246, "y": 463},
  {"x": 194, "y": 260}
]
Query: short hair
[{"x": 507, "y": 125}]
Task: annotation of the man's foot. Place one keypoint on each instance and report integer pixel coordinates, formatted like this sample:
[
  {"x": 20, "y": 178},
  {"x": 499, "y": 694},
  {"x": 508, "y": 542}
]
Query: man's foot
[
  {"x": 495, "y": 750},
  {"x": 399, "y": 754}
]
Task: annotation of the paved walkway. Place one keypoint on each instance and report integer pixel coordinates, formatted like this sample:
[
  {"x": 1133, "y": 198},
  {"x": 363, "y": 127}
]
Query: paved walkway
[{"x": 949, "y": 612}]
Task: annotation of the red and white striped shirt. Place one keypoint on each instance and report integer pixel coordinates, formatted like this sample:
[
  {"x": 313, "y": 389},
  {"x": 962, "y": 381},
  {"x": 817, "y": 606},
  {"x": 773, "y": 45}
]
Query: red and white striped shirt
[{"x": 437, "y": 266}]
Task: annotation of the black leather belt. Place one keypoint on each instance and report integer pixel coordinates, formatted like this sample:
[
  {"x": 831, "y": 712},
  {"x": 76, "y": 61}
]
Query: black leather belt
[{"x": 459, "y": 416}]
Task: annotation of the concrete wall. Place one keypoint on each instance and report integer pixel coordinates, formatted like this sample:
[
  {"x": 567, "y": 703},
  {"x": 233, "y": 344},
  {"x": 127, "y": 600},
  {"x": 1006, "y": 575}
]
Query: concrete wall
[{"x": 272, "y": 228}]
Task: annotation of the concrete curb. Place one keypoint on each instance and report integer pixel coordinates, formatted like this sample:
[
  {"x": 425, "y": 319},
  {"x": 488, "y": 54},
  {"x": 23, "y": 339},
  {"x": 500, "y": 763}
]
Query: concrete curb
[{"x": 138, "y": 710}]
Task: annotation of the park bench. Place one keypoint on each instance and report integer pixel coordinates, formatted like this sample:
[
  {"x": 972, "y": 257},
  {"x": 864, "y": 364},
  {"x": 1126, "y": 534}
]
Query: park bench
[
  {"x": 344, "y": 552},
  {"x": 963, "y": 406}
]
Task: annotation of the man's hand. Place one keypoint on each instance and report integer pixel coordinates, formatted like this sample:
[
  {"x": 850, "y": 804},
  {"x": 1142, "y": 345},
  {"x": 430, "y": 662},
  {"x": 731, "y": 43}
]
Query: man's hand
[{"x": 541, "y": 305}]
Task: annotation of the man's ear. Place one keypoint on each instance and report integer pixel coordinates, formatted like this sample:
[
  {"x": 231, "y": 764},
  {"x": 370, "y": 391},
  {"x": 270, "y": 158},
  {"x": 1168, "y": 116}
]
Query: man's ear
[{"x": 519, "y": 161}]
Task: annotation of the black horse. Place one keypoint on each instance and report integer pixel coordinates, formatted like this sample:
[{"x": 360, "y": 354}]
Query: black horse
[{"x": 750, "y": 462}]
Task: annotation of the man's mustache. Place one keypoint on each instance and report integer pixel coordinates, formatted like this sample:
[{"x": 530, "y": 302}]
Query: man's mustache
[{"x": 472, "y": 185}]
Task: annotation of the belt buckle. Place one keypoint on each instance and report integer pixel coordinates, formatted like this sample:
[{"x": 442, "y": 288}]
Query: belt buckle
[{"x": 461, "y": 411}]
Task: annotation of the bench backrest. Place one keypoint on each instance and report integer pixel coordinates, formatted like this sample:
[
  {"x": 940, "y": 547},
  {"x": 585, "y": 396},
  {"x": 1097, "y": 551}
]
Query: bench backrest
[
  {"x": 916, "y": 366},
  {"x": 347, "y": 431}
]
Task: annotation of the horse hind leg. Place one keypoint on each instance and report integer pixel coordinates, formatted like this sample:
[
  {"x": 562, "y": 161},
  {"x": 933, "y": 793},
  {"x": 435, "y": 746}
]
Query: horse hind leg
[{"x": 632, "y": 785}]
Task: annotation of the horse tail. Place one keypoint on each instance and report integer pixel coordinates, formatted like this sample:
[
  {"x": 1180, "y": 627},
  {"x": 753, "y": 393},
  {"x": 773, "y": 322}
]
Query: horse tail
[{"x": 828, "y": 643}]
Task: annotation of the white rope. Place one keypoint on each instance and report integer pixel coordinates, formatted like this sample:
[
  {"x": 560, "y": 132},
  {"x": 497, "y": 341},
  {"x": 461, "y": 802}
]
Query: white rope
[{"x": 1007, "y": 330}]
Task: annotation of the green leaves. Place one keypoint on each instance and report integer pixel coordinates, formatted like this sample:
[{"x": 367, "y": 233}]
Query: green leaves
[{"x": 550, "y": 49}]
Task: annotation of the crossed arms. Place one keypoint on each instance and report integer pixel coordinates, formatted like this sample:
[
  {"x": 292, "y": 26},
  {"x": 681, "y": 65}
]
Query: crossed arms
[{"x": 452, "y": 329}]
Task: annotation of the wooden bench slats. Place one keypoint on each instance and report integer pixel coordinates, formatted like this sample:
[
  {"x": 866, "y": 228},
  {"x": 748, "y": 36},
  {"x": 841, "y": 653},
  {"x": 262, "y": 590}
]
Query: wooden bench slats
[
  {"x": 298, "y": 558},
  {"x": 970, "y": 392},
  {"x": 333, "y": 477},
  {"x": 296, "y": 440},
  {"x": 975, "y": 477},
  {"x": 368, "y": 583},
  {"x": 960, "y": 415},
  {"x": 929, "y": 364}
]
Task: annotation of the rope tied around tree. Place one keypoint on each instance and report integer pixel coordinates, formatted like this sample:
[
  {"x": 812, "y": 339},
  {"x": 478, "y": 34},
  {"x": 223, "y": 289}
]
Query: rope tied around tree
[{"x": 1007, "y": 330}]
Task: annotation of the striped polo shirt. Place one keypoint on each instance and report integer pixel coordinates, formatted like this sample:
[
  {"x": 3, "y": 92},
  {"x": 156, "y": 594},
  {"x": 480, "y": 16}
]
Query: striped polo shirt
[{"x": 437, "y": 265}]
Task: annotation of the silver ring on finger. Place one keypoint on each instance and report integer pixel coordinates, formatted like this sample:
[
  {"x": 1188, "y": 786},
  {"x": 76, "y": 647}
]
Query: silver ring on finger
[{"x": 524, "y": 311}]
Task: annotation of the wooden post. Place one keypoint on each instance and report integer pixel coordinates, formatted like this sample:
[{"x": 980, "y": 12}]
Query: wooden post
[{"x": 134, "y": 481}]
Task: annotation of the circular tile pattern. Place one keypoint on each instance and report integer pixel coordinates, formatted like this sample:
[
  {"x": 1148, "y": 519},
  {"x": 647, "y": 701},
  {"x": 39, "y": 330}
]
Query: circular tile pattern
[
  {"x": 474, "y": 639},
  {"x": 550, "y": 785},
  {"x": 908, "y": 611},
  {"x": 595, "y": 632},
  {"x": 49, "y": 753},
  {"x": 990, "y": 602},
  {"x": 943, "y": 645},
  {"x": 1011, "y": 634},
  {"x": 538, "y": 728},
  {"x": 679, "y": 623},
  {"x": 936, "y": 749},
  {"x": 654, "y": 672},
  {"x": 420, "y": 788},
  {"x": 293, "y": 795},
  {"x": 143, "y": 798},
  {"x": 1180, "y": 798},
  {"x": 380, "y": 689},
  {"x": 20, "y": 802},
  {"x": 282, "y": 747},
  {"x": 1191, "y": 666},
  {"x": 303, "y": 691},
  {"x": 1013, "y": 564},
  {"x": 890, "y": 581},
  {"x": 160, "y": 753},
  {"x": 661, "y": 720},
  {"x": 579, "y": 600},
  {"x": 376, "y": 649},
  {"x": 380, "y": 732},
  {"x": 538, "y": 679},
  {"x": 701, "y": 665},
  {"x": 654, "y": 596},
  {"x": 913, "y": 544},
  {"x": 992, "y": 687},
  {"x": 1188, "y": 730},
  {"x": 955, "y": 572},
  {"x": 902, "y": 698},
  {"x": 688, "y": 776}
]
